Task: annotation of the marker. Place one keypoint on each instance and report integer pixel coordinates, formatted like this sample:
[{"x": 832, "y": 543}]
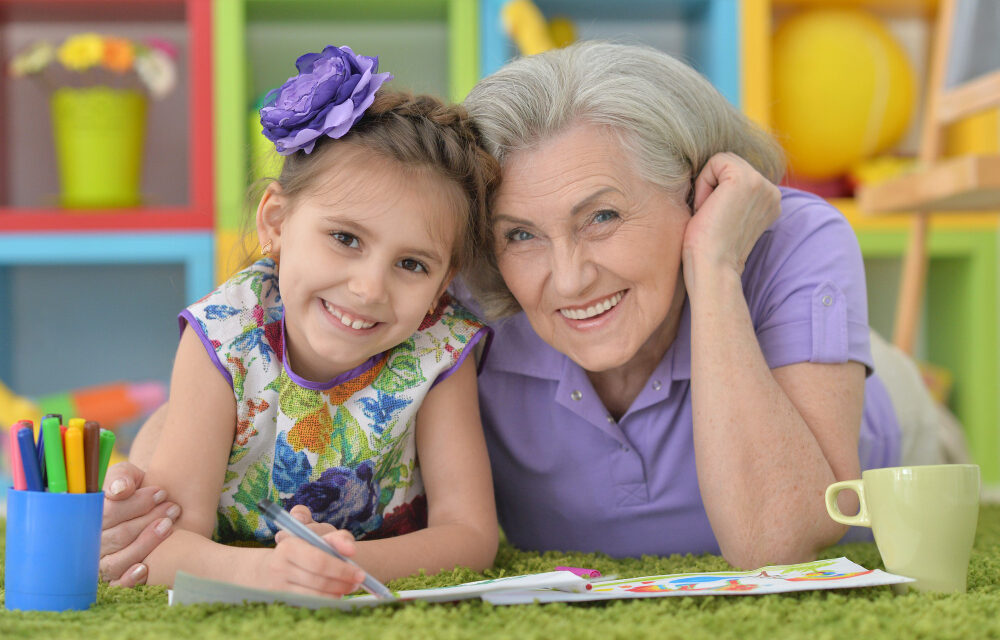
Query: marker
[
  {"x": 107, "y": 442},
  {"x": 91, "y": 454},
  {"x": 20, "y": 484},
  {"x": 29, "y": 460},
  {"x": 76, "y": 422},
  {"x": 76, "y": 477},
  {"x": 55, "y": 461},
  {"x": 285, "y": 521}
]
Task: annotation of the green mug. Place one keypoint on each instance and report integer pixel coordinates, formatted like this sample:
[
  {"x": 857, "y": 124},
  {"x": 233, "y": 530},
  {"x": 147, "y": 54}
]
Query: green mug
[{"x": 923, "y": 517}]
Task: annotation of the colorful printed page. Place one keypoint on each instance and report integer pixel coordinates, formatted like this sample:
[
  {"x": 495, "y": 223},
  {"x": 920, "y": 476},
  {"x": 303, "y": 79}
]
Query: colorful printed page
[
  {"x": 839, "y": 573},
  {"x": 189, "y": 589}
]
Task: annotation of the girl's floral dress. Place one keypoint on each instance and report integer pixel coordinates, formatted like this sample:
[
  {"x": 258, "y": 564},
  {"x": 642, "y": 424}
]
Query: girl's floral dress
[{"x": 344, "y": 448}]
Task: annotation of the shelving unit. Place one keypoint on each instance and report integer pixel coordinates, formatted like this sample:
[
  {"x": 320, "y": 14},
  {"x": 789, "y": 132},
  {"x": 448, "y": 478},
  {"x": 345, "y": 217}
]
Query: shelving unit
[
  {"x": 101, "y": 270},
  {"x": 961, "y": 317}
]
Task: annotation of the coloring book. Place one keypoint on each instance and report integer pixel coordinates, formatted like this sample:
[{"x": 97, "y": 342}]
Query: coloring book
[{"x": 565, "y": 586}]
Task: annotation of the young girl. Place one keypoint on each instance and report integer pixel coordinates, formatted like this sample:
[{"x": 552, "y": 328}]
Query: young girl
[{"x": 320, "y": 375}]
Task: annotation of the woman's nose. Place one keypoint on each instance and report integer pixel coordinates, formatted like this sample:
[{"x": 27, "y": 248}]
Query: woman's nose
[{"x": 572, "y": 270}]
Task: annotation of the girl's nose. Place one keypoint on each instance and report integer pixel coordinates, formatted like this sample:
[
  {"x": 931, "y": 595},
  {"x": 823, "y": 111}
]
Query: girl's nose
[{"x": 368, "y": 285}]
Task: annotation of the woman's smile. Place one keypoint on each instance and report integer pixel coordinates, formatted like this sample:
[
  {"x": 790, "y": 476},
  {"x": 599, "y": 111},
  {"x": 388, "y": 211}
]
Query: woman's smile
[{"x": 593, "y": 309}]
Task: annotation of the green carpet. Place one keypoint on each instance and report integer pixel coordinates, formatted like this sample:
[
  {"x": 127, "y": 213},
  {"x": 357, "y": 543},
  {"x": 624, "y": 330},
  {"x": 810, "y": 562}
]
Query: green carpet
[{"x": 818, "y": 615}]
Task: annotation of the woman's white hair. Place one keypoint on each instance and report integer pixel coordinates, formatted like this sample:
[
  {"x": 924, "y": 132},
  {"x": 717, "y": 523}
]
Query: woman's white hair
[{"x": 668, "y": 117}]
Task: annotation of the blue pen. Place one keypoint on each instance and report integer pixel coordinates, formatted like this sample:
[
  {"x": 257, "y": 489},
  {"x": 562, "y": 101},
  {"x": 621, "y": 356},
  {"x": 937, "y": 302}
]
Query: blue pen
[
  {"x": 284, "y": 520},
  {"x": 29, "y": 460},
  {"x": 41, "y": 459}
]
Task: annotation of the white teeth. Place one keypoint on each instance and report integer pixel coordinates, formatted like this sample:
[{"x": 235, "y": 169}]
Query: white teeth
[
  {"x": 346, "y": 320},
  {"x": 597, "y": 309}
]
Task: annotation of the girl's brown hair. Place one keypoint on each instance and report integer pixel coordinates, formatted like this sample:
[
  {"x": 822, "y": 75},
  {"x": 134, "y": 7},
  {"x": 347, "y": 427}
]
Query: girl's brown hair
[{"x": 416, "y": 131}]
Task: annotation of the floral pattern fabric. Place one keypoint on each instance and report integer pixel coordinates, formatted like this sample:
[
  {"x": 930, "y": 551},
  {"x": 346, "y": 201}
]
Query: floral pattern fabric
[{"x": 345, "y": 449}]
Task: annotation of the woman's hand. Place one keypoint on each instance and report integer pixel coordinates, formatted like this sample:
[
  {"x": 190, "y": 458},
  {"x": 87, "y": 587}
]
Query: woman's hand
[
  {"x": 298, "y": 566},
  {"x": 135, "y": 522},
  {"x": 733, "y": 206}
]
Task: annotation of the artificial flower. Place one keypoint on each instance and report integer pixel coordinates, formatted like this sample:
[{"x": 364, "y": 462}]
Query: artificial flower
[
  {"x": 118, "y": 54},
  {"x": 330, "y": 93},
  {"x": 33, "y": 59},
  {"x": 81, "y": 52},
  {"x": 157, "y": 71}
]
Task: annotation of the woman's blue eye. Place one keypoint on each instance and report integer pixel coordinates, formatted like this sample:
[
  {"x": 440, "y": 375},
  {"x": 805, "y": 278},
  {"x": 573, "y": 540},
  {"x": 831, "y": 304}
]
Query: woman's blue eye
[
  {"x": 517, "y": 235},
  {"x": 413, "y": 265},
  {"x": 345, "y": 239},
  {"x": 605, "y": 215}
]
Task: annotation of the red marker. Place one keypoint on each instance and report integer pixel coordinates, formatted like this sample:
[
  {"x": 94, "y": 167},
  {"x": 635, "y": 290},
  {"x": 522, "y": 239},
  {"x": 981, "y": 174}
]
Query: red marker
[{"x": 16, "y": 468}]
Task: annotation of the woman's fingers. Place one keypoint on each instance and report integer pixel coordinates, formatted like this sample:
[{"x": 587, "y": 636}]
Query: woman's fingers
[
  {"x": 117, "y": 567},
  {"x": 133, "y": 577},
  {"x": 118, "y": 537},
  {"x": 138, "y": 504}
]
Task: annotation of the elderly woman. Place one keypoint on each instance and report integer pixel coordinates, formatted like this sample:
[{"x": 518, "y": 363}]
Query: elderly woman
[{"x": 683, "y": 364}]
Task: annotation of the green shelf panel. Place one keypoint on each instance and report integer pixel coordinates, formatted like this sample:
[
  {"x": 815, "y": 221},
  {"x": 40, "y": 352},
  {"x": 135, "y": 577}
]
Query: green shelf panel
[{"x": 962, "y": 328}]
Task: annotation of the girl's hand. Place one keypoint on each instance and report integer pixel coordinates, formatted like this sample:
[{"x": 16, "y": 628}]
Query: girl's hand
[
  {"x": 733, "y": 206},
  {"x": 295, "y": 565}
]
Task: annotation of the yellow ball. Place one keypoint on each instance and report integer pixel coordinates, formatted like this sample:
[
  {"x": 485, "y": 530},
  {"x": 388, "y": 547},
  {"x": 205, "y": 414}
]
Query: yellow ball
[{"x": 843, "y": 90}]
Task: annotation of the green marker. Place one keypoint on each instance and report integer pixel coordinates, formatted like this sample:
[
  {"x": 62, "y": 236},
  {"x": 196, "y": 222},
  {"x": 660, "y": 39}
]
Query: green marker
[
  {"x": 107, "y": 443},
  {"x": 55, "y": 462}
]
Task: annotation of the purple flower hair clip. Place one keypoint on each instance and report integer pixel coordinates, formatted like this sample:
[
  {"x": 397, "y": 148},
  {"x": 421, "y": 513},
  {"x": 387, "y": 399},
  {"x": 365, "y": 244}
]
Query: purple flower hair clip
[{"x": 330, "y": 93}]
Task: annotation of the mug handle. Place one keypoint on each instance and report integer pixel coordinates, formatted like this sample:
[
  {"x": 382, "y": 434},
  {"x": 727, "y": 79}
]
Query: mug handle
[{"x": 860, "y": 520}]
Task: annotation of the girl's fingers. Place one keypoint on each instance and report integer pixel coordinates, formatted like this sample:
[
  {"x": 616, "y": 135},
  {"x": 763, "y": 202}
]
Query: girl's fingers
[
  {"x": 342, "y": 541},
  {"x": 302, "y": 514}
]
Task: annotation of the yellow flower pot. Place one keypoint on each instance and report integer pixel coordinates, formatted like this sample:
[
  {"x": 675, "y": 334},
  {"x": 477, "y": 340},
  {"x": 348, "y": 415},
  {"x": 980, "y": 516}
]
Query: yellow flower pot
[{"x": 99, "y": 134}]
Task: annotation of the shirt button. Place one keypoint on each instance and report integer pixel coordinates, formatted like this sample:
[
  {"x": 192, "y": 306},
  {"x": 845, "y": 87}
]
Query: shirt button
[
  {"x": 576, "y": 395},
  {"x": 611, "y": 420},
  {"x": 826, "y": 300},
  {"x": 657, "y": 385},
  {"x": 625, "y": 449}
]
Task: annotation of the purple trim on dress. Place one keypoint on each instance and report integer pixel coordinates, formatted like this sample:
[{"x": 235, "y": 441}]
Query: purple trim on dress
[
  {"x": 322, "y": 386},
  {"x": 186, "y": 318},
  {"x": 465, "y": 352}
]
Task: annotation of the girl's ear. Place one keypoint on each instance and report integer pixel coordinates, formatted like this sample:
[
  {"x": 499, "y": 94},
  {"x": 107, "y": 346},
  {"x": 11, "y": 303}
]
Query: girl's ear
[
  {"x": 444, "y": 287},
  {"x": 270, "y": 214}
]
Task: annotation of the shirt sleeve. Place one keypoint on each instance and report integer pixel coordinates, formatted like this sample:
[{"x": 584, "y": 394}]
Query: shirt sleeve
[{"x": 805, "y": 286}]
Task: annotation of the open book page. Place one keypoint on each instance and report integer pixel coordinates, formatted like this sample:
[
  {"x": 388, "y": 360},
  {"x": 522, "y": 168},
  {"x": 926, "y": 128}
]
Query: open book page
[
  {"x": 838, "y": 573},
  {"x": 189, "y": 589}
]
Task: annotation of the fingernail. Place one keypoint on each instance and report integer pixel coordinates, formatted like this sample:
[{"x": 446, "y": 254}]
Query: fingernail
[
  {"x": 173, "y": 511},
  {"x": 139, "y": 571},
  {"x": 117, "y": 486},
  {"x": 159, "y": 496},
  {"x": 163, "y": 526}
]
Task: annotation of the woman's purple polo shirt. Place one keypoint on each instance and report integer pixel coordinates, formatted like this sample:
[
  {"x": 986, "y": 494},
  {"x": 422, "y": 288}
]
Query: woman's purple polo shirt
[{"x": 569, "y": 477}]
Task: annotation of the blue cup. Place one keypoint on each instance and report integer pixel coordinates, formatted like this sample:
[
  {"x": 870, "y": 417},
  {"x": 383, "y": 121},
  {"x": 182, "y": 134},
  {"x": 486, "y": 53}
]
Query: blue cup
[{"x": 53, "y": 549}]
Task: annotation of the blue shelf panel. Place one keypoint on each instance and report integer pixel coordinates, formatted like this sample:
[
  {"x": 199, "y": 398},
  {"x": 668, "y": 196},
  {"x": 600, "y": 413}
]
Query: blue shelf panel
[
  {"x": 82, "y": 309},
  {"x": 704, "y": 33}
]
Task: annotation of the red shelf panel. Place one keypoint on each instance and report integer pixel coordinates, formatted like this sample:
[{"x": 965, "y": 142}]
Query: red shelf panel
[
  {"x": 197, "y": 213},
  {"x": 146, "y": 219}
]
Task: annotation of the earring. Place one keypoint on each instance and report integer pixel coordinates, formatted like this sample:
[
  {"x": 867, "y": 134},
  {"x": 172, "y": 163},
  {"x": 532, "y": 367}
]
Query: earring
[{"x": 266, "y": 249}]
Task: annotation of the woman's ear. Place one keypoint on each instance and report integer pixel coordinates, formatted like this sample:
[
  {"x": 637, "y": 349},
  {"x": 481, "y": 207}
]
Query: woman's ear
[{"x": 270, "y": 214}]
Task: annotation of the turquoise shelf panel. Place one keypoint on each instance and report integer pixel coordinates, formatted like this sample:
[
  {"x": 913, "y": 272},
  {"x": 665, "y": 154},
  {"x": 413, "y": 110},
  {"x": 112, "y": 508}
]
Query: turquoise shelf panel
[
  {"x": 81, "y": 309},
  {"x": 704, "y": 33}
]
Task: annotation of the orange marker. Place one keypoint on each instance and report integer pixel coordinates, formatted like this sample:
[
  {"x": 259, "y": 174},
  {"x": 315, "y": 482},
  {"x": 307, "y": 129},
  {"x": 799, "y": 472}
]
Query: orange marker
[{"x": 76, "y": 479}]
